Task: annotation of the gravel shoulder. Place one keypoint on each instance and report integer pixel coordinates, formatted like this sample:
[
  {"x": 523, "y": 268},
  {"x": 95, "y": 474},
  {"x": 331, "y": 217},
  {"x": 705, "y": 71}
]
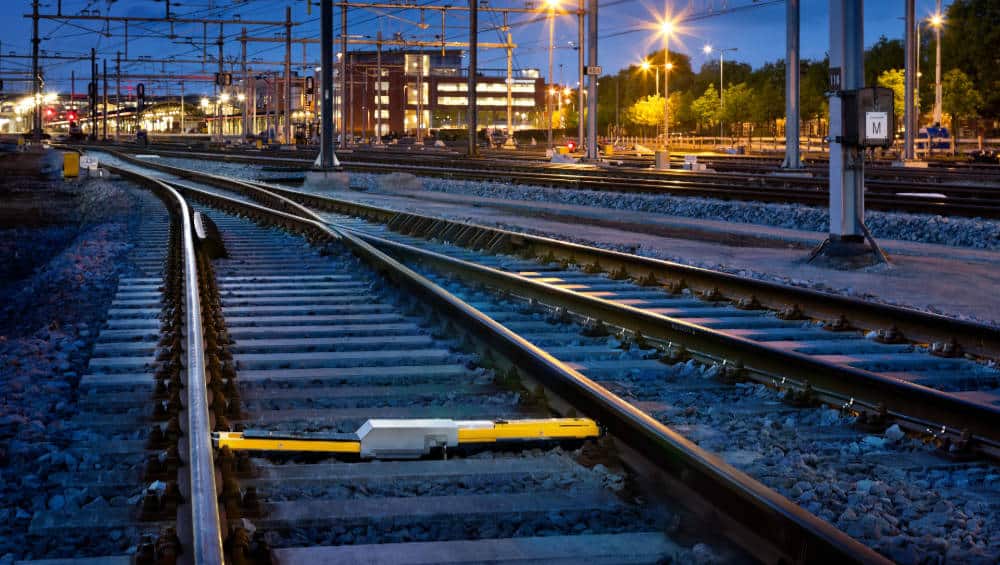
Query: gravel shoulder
[{"x": 49, "y": 318}]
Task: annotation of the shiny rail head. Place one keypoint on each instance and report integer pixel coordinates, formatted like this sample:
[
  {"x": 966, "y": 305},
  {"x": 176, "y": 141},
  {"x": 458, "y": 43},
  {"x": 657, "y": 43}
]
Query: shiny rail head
[{"x": 414, "y": 438}]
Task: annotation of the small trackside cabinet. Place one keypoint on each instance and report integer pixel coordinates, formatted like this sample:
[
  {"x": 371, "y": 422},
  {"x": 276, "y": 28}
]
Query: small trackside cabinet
[{"x": 868, "y": 117}]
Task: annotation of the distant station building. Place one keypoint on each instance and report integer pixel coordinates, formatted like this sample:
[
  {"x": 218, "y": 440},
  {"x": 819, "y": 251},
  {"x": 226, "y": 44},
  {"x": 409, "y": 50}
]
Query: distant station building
[{"x": 440, "y": 81}]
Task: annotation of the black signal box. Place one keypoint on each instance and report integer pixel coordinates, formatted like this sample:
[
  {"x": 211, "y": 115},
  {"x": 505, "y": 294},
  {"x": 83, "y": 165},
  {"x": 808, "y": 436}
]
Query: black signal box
[{"x": 868, "y": 117}]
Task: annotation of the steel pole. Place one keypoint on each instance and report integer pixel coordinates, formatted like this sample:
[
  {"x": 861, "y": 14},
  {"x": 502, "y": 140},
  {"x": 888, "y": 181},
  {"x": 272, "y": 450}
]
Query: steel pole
[
  {"x": 792, "y": 158},
  {"x": 580, "y": 67},
  {"x": 327, "y": 157},
  {"x": 118, "y": 94},
  {"x": 916, "y": 80},
  {"x": 548, "y": 91},
  {"x": 846, "y": 163},
  {"x": 288, "y": 75},
  {"x": 104, "y": 105},
  {"x": 471, "y": 80},
  {"x": 722, "y": 88},
  {"x": 378, "y": 89},
  {"x": 666, "y": 93},
  {"x": 244, "y": 114},
  {"x": 344, "y": 138},
  {"x": 592, "y": 82},
  {"x": 36, "y": 77},
  {"x": 909, "y": 49},
  {"x": 91, "y": 94},
  {"x": 937, "y": 70},
  {"x": 219, "y": 89},
  {"x": 509, "y": 142}
]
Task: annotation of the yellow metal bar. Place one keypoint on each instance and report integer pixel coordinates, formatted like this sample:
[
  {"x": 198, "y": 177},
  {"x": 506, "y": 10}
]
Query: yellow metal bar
[
  {"x": 236, "y": 441},
  {"x": 528, "y": 430}
]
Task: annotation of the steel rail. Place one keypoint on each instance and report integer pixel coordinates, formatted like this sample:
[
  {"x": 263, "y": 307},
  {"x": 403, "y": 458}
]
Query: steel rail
[
  {"x": 921, "y": 405},
  {"x": 206, "y": 530},
  {"x": 786, "y": 531}
]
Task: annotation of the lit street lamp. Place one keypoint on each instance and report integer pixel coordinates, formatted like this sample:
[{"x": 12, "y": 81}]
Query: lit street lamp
[
  {"x": 667, "y": 28},
  {"x": 722, "y": 101},
  {"x": 645, "y": 66},
  {"x": 937, "y": 21},
  {"x": 552, "y": 4}
]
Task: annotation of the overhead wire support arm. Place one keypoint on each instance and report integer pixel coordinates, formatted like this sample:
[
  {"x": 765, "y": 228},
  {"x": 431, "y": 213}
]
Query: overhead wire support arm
[
  {"x": 455, "y": 8},
  {"x": 392, "y": 42},
  {"x": 209, "y": 21}
]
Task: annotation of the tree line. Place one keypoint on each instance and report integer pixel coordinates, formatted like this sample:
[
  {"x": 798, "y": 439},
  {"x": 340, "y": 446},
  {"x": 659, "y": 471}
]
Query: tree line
[{"x": 754, "y": 99}]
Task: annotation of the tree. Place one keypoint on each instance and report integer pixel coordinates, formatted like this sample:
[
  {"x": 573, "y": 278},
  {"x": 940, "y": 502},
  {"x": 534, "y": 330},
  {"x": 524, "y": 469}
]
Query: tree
[
  {"x": 969, "y": 42},
  {"x": 737, "y": 107},
  {"x": 812, "y": 91},
  {"x": 885, "y": 55},
  {"x": 768, "y": 86},
  {"x": 646, "y": 112},
  {"x": 706, "y": 107},
  {"x": 959, "y": 99},
  {"x": 895, "y": 80},
  {"x": 685, "y": 116}
]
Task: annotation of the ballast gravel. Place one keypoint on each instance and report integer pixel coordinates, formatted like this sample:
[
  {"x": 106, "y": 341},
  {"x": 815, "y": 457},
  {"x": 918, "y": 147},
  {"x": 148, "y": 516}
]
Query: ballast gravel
[
  {"x": 976, "y": 233},
  {"x": 890, "y": 225},
  {"x": 49, "y": 319},
  {"x": 884, "y": 488}
]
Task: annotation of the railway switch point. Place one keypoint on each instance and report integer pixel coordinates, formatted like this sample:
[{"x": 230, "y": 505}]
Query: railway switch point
[{"x": 412, "y": 439}]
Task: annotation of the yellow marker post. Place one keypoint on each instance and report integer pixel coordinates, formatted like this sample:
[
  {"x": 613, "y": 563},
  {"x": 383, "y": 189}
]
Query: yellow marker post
[{"x": 71, "y": 164}]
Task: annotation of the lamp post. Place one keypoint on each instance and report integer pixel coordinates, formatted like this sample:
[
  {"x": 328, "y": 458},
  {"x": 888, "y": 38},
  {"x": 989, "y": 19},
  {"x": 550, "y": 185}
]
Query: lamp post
[
  {"x": 722, "y": 100},
  {"x": 552, "y": 4},
  {"x": 645, "y": 66},
  {"x": 936, "y": 21},
  {"x": 667, "y": 28}
]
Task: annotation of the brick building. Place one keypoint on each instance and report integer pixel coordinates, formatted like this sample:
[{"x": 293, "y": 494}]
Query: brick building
[{"x": 440, "y": 78}]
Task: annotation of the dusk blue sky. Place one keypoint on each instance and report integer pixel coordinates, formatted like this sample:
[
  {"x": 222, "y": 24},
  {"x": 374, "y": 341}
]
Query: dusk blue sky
[{"x": 756, "y": 31}]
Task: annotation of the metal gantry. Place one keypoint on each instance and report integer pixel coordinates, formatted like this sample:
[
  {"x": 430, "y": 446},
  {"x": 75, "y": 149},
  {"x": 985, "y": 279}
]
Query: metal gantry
[{"x": 585, "y": 98}]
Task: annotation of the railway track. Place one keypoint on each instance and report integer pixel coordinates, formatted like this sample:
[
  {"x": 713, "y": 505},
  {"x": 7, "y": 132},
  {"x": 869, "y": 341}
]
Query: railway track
[
  {"x": 137, "y": 488},
  {"x": 321, "y": 344},
  {"x": 892, "y": 190},
  {"x": 888, "y": 355},
  {"x": 435, "y": 355},
  {"x": 556, "y": 306}
]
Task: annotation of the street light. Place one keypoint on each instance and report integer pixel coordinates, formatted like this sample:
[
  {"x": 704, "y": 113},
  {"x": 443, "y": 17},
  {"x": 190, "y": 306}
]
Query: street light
[
  {"x": 937, "y": 21},
  {"x": 667, "y": 29},
  {"x": 552, "y": 5},
  {"x": 645, "y": 66},
  {"x": 707, "y": 49}
]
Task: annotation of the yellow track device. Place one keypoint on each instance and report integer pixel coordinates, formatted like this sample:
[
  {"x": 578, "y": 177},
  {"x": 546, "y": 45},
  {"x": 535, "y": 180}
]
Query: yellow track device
[{"x": 410, "y": 439}]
